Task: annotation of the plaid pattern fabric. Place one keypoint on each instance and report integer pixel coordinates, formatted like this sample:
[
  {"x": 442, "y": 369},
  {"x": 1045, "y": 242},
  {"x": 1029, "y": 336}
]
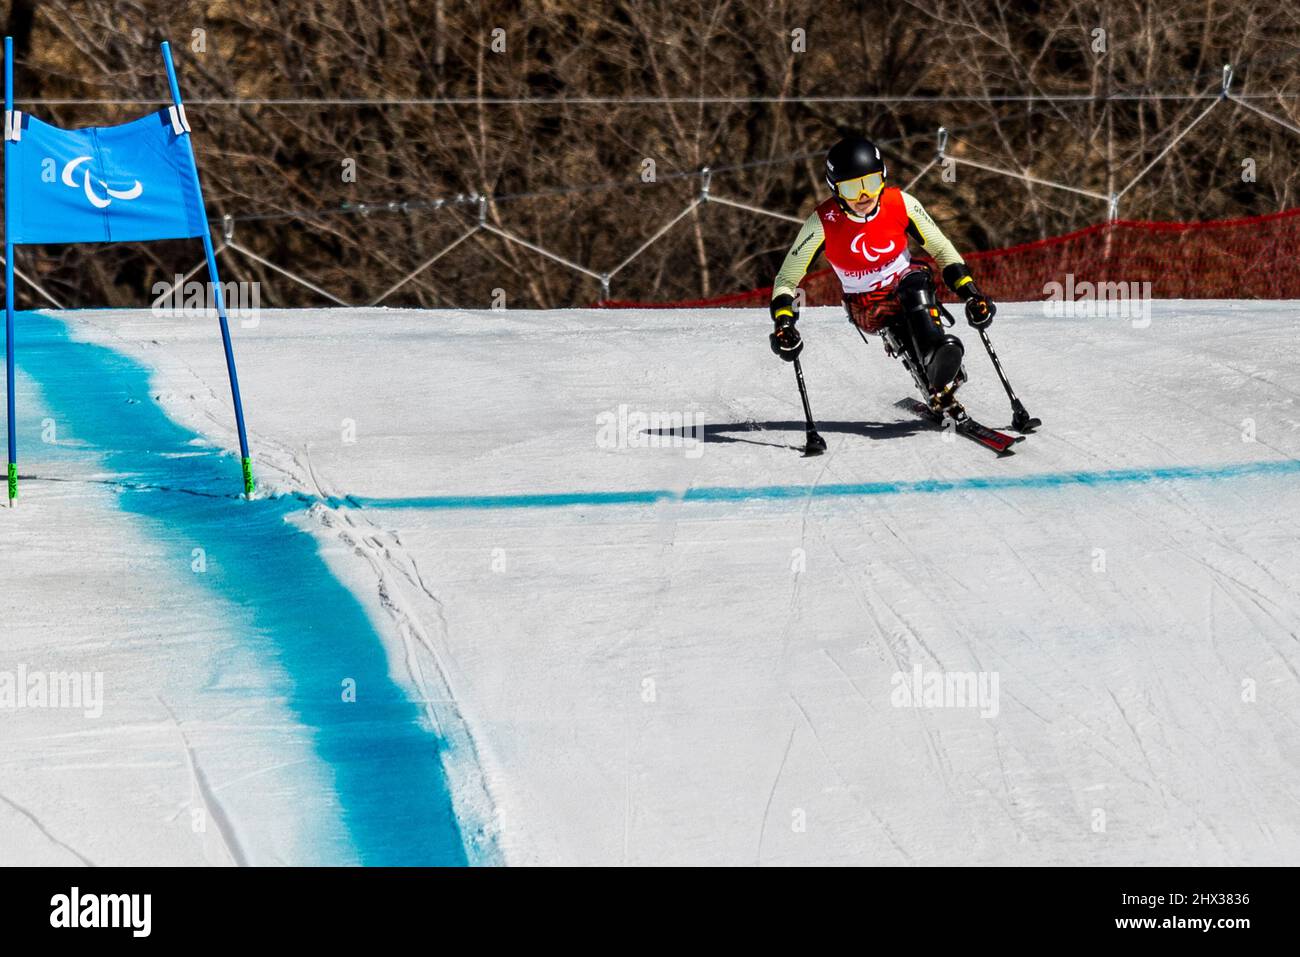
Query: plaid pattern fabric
[{"x": 872, "y": 311}]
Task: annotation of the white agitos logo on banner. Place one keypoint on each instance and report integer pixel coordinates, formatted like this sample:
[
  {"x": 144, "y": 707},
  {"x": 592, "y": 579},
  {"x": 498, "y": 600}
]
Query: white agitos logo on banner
[
  {"x": 858, "y": 246},
  {"x": 70, "y": 170}
]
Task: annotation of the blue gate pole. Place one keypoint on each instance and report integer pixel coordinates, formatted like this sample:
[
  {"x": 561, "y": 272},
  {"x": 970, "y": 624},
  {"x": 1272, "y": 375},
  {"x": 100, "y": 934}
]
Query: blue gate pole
[
  {"x": 217, "y": 292},
  {"x": 9, "y": 280}
]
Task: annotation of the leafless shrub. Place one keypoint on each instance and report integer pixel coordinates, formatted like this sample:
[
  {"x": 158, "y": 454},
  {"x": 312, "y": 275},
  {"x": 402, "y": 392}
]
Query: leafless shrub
[{"x": 277, "y": 167}]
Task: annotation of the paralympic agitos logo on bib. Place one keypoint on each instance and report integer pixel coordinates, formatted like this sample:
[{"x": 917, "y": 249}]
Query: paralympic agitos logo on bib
[{"x": 859, "y": 246}]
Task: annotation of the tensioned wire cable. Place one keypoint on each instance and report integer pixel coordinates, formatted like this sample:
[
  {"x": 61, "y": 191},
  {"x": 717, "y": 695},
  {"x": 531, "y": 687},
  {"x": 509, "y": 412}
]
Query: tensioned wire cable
[
  {"x": 462, "y": 199},
  {"x": 881, "y": 100},
  {"x": 404, "y": 206},
  {"x": 1133, "y": 92}
]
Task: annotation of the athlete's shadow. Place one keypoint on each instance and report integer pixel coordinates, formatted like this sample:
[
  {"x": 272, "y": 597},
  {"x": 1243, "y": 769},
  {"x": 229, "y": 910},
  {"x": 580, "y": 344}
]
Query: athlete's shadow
[{"x": 746, "y": 431}]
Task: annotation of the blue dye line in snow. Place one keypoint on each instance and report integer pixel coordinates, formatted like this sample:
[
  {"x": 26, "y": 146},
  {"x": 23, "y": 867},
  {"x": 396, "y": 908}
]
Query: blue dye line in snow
[
  {"x": 855, "y": 489},
  {"x": 383, "y": 761}
]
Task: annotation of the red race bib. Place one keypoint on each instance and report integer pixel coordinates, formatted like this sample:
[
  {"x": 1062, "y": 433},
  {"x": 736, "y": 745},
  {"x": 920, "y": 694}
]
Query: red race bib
[{"x": 867, "y": 255}]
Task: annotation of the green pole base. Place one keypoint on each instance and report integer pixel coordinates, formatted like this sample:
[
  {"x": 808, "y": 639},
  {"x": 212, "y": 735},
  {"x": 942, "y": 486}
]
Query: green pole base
[
  {"x": 13, "y": 482},
  {"x": 249, "y": 484}
]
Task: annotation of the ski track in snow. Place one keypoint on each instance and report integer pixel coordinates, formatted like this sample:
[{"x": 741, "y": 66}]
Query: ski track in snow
[
  {"x": 225, "y": 828},
  {"x": 272, "y": 811},
  {"x": 1120, "y": 688},
  {"x": 35, "y": 822}
]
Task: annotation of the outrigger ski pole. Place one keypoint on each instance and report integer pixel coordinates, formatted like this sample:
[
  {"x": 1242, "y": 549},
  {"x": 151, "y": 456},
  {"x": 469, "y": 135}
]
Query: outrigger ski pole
[
  {"x": 1021, "y": 420},
  {"x": 816, "y": 445}
]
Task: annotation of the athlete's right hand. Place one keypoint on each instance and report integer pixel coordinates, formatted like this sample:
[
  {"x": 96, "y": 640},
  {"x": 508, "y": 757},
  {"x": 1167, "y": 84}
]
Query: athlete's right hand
[
  {"x": 786, "y": 341},
  {"x": 783, "y": 307}
]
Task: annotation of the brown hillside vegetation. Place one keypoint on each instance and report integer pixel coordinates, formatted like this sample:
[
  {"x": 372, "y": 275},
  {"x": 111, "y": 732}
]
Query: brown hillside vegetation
[{"x": 558, "y": 118}]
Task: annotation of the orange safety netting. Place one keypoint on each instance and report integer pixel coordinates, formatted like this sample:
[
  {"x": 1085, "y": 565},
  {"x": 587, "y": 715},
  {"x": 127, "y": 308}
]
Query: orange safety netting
[{"x": 1250, "y": 258}]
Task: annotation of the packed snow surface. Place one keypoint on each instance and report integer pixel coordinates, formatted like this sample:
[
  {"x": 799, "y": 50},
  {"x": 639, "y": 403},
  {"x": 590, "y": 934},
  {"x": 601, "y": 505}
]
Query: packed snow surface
[{"x": 597, "y": 609}]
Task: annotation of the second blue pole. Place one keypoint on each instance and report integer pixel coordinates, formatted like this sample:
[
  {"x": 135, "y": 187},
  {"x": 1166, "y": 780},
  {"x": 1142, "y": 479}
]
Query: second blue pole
[{"x": 217, "y": 292}]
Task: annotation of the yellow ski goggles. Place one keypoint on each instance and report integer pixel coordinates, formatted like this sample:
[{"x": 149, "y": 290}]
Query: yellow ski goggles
[{"x": 852, "y": 190}]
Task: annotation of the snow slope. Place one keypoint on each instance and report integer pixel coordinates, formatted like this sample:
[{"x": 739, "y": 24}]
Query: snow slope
[
  {"x": 712, "y": 672},
  {"x": 249, "y": 712}
]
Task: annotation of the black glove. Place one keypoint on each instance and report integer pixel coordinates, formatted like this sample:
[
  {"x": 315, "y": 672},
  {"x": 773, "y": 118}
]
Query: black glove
[
  {"x": 786, "y": 341},
  {"x": 979, "y": 307},
  {"x": 980, "y": 310},
  {"x": 783, "y": 307}
]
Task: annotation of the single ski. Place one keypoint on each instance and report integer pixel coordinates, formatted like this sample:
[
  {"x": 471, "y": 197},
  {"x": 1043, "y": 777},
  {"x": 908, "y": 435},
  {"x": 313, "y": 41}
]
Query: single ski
[{"x": 963, "y": 424}]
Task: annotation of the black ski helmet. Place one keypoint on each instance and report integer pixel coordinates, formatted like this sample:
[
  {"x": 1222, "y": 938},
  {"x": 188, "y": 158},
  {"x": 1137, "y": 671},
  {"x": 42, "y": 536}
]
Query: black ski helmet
[{"x": 852, "y": 157}]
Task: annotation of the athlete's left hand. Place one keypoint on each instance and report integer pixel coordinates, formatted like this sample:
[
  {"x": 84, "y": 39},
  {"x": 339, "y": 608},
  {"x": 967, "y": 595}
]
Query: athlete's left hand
[{"x": 980, "y": 310}]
